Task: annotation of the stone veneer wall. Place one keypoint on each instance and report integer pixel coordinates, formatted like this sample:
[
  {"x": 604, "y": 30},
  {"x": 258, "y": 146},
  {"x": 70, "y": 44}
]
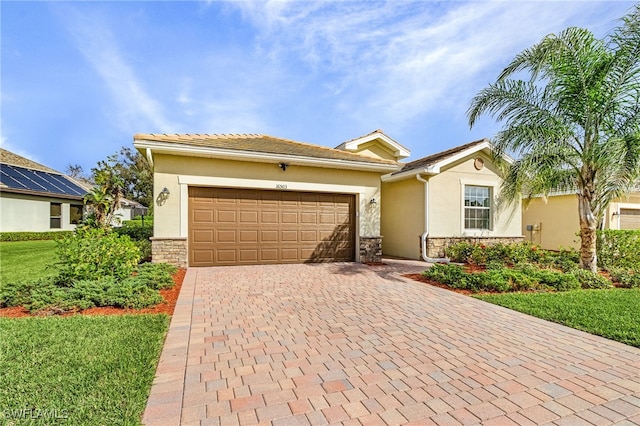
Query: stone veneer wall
[
  {"x": 370, "y": 249},
  {"x": 170, "y": 250},
  {"x": 436, "y": 247}
]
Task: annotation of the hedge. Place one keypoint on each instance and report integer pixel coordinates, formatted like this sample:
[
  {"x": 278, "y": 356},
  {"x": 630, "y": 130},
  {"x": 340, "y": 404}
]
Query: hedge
[
  {"x": 618, "y": 249},
  {"x": 33, "y": 236}
]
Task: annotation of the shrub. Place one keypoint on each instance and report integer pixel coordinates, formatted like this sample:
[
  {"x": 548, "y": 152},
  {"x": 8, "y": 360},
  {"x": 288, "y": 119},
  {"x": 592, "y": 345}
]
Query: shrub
[
  {"x": 588, "y": 279},
  {"x": 145, "y": 250},
  {"x": 135, "y": 230},
  {"x": 33, "y": 236},
  {"x": 559, "y": 281},
  {"x": 453, "y": 276},
  {"x": 91, "y": 254},
  {"x": 627, "y": 278},
  {"x": 19, "y": 293},
  {"x": 460, "y": 252},
  {"x": 155, "y": 275},
  {"x": 618, "y": 249}
]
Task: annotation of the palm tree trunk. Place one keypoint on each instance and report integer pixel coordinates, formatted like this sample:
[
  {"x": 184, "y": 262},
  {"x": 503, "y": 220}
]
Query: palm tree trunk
[{"x": 588, "y": 225}]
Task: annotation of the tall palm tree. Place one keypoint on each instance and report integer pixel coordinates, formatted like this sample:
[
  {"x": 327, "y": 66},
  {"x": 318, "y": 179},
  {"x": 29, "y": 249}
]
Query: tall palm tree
[{"x": 574, "y": 124}]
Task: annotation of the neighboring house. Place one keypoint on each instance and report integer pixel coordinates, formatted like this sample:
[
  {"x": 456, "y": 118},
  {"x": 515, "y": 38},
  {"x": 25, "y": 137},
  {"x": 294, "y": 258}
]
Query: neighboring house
[
  {"x": 36, "y": 198},
  {"x": 128, "y": 210},
  {"x": 444, "y": 198},
  {"x": 251, "y": 199},
  {"x": 553, "y": 222}
]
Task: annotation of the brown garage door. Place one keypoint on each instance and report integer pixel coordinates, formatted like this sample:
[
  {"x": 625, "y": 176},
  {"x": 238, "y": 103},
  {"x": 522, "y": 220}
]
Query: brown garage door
[
  {"x": 243, "y": 226},
  {"x": 629, "y": 218}
]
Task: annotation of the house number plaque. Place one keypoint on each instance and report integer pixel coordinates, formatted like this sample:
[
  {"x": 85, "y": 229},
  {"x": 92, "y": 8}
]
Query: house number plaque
[{"x": 281, "y": 186}]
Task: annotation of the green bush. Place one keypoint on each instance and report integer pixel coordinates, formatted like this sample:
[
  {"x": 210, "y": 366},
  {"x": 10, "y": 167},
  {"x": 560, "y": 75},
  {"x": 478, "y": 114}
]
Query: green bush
[
  {"x": 91, "y": 254},
  {"x": 459, "y": 252},
  {"x": 33, "y": 236},
  {"x": 453, "y": 276},
  {"x": 145, "y": 250},
  {"x": 618, "y": 249},
  {"x": 155, "y": 275},
  {"x": 558, "y": 281},
  {"x": 589, "y": 280},
  {"x": 138, "y": 291},
  {"x": 627, "y": 278},
  {"x": 135, "y": 230}
]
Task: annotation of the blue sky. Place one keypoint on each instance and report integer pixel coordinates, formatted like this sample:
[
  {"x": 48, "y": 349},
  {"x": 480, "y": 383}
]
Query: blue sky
[{"x": 79, "y": 79}]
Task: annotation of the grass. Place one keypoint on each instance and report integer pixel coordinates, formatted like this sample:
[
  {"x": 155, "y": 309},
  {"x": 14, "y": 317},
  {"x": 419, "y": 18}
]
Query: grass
[
  {"x": 81, "y": 369},
  {"x": 27, "y": 260},
  {"x": 609, "y": 313}
]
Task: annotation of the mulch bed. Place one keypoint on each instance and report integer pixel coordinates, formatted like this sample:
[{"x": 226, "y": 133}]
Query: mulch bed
[{"x": 170, "y": 297}]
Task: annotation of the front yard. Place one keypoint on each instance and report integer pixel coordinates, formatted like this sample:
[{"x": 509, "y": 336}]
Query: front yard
[{"x": 78, "y": 370}]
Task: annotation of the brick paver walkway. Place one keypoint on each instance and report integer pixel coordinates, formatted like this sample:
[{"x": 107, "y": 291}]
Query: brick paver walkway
[{"x": 355, "y": 344}]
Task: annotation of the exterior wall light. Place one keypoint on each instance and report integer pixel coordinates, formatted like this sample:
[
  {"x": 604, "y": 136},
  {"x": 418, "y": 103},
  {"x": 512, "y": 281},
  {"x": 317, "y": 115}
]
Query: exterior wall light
[{"x": 165, "y": 193}]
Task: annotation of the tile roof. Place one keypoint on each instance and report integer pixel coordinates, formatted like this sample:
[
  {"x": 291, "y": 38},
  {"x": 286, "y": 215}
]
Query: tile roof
[
  {"x": 423, "y": 163},
  {"x": 8, "y": 157},
  {"x": 260, "y": 144}
]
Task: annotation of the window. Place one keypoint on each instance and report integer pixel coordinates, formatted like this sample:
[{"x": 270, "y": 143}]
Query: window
[
  {"x": 75, "y": 214},
  {"x": 477, "y": 207},
  {"x": 55, "y": 213}
]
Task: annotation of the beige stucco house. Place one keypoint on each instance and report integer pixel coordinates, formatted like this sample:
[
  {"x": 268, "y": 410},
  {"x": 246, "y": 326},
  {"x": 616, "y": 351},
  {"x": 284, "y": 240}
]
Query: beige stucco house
[
  {"x": 36, "y": 198},
  {"x": 443, "y": 198},
  {"x": 553, "y": 222},
  {"x": 252, "y": 199}
]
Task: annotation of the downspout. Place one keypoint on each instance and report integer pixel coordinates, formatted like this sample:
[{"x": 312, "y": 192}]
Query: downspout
[{"x": 425, "y": 234}]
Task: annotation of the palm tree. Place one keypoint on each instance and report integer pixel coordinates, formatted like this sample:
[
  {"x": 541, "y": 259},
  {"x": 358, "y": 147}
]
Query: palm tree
[{"x": 574, "y": 124}]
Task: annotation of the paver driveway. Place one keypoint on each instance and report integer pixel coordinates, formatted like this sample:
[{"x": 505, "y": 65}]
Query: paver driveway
[{"x": 355, "y": 344}]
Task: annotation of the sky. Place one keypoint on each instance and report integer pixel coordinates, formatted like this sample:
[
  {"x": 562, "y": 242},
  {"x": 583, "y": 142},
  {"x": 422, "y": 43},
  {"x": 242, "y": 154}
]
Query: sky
[{"x": 79, "y": 79}]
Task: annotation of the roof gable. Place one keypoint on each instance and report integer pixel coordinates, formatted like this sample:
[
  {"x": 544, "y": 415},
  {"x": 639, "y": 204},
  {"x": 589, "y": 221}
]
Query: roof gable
[
  {"x": 378, "y": 136},
  {"x": 433, "y": 164},
  {"x": 256, "y": 147}
]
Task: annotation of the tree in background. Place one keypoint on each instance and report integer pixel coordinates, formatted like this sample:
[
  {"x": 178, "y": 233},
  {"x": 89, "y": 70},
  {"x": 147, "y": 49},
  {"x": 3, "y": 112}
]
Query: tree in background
[
  {"x": 136, "y": 175},
  {"x": 574, "y": 125},
  {"x": 104, "y": 198}
]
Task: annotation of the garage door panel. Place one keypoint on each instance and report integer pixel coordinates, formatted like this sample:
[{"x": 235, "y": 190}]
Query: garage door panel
[
  {"x": 226, "y": 216},
  {"x": 308, "y": 217},
  {"x": 269, "y": 217},
  {"x": 226, "y": 256},
  {"x": 249, "y": 217},
  {"x": 289, "y": 217},
  {"x": 248, "y": 236},
  {"x": 259, "y": 226},
  {"x": 268, "y": 236},
  {"x": 289, "y": 254},
  {"x": 288, "y": 236},
  {"x": 248, "y": 255},
  {"x": 630, "y": 219},
  {"x": 269, "y": 255}
]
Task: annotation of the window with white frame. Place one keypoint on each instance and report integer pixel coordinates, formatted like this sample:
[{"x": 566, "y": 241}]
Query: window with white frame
[
  {"x": 477, "y": 207},
  {"x": 55, "y": 215}
]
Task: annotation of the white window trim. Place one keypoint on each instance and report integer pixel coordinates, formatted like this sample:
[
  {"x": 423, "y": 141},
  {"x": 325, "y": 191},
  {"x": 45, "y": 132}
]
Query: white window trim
[{"x": 493, "y": 189}]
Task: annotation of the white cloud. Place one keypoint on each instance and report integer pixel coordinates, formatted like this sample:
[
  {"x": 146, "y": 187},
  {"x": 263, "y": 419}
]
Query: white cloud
[
  {"x": 398, "y": 60},
  {"x": 135, "y": 106}
]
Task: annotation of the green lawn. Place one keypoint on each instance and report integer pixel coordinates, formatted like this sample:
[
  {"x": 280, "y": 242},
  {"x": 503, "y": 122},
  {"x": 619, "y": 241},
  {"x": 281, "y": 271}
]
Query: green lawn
[
  {"x": 78, "y": 370},
  {"x": 27, "y": 260},
  {"x": 614, "y": 314}
]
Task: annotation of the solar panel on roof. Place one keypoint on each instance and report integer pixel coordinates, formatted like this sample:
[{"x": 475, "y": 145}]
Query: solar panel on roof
[{"x": 15, "y": 177}]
